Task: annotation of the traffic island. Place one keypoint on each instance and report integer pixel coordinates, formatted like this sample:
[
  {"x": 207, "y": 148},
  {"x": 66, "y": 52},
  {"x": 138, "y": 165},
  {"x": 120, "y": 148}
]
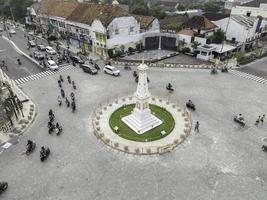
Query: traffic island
[
  {"x": 109, "y": 128},
  {"x": 124, "y": 131}
]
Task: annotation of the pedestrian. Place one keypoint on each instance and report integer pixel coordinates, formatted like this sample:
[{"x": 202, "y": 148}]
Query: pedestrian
[
  {"x": 59, "y": 100},
  {"x": 197, "y": 127},
  {"x": 262, "y": 119},
  {"x": 73, "y": 85},
  {"x": 258, "y": 120},
  {"x": 62, "y": 93}
]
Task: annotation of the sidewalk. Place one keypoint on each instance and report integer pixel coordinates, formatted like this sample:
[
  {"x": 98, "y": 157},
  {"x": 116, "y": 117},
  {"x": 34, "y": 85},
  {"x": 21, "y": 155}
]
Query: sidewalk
[
  {"x": 92, "y": 55},
  {"x": 22, "y": 123}
]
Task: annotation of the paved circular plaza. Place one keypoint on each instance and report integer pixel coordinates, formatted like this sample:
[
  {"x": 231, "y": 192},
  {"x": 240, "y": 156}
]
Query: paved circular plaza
[{"x": 222, "y": 161}]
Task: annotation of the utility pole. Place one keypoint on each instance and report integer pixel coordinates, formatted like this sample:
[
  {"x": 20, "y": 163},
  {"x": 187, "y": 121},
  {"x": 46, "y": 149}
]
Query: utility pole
[{"x": 11, "y": 14}]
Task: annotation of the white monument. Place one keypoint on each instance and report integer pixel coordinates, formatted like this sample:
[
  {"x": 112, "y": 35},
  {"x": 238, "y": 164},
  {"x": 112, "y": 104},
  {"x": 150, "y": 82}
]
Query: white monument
[{"x": 141, "y": 119}]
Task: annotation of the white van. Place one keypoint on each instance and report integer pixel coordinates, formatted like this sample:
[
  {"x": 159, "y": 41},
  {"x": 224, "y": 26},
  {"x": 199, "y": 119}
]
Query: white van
[{"x": 111, "y": 70}]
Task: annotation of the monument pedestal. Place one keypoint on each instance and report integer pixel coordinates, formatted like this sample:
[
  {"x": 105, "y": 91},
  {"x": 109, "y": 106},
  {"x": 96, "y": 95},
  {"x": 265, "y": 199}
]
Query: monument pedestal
[{"x": 141, "y": 121}]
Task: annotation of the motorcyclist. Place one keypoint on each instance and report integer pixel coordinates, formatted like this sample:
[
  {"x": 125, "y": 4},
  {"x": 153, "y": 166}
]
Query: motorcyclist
[
  {"x": 240, "y": 117},
  {"x": 169, "y": 86},
  {"x": 19, "y": 62},
  {"x": 43, "y": 152},
  {"x": 29, "y": 145},
  {"x": 50, "y": 112},
  {"x": 190, "y": 102}
]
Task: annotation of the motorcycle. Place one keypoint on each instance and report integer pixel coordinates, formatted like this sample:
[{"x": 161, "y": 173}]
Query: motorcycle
[
  {"x": 96, "y": 66},
  {"x": 59, "y": 129},
  {"x": 69, "y": 80},
  {"x": 126, "y": 67},
  {"x": 190, "y": 105},
  {"x": 19, "y": 62},
  {"x": 213, "y": 71},
  {"x": 240, "y": 121},
  {"x": 30, "y": 148},
  {"x": 44, "y": 153},
  {"x": 224, "y": 69},
  {"x": 3, "y": 186},
  {"x": 264, "y": 148}
]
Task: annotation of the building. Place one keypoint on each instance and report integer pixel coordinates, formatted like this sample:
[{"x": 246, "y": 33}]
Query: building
[
  {"x": 201, "y": 25},
  {"x": 253, "y": 8},
  {"x": 242, "y": 30},
  {"x": 94, "y": 27}
]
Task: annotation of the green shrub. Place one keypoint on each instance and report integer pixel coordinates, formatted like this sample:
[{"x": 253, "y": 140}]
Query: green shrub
[{"x": 185, "y": 50}]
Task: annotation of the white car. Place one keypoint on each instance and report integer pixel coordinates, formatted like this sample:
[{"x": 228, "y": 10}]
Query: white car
[
  {"x": 52, "y": 65},
  {"x": 12, "y": 31},
  {"x": 50, "y": 50},
  {"x": 108, "y": 69}
]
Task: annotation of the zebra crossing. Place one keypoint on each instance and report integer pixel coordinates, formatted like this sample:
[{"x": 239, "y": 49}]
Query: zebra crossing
[
  {"x": 249, "y": 76},
  {"x": 42, "y": 74}
]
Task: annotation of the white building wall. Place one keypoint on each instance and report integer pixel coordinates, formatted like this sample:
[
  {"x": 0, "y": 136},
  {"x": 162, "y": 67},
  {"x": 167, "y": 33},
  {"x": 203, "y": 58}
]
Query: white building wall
[
  {"x": 127, "y": 41},
  {"x": 235, "y": 30},
  {"x": 185, "y": 38},
  {"x": 155, "y": 26},
  {"x": 201, "y": 40},
  {"x": 123, "y": 26}
]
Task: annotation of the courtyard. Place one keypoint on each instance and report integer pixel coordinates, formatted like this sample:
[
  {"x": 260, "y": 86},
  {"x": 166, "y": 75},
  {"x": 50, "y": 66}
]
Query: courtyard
[{"x": 222, "y": 161}]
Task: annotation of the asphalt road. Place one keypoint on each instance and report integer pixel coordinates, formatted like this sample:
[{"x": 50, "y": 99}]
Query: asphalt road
[
  {"x": 223, "y": 161},
  {"x": 257, "y": 68},
  {"x": 10, "y": 56}
]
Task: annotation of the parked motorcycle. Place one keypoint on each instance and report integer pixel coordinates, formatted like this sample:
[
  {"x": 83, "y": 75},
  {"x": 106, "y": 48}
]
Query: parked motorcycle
[
  {"x": 239, "y": 120},
  {"x": 3, "y": 186}
]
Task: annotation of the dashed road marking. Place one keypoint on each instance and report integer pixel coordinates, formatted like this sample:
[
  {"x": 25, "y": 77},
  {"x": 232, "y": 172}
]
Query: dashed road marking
[
  {"x": 42, "y": 74},
  {"x": 249, "y": 76}
]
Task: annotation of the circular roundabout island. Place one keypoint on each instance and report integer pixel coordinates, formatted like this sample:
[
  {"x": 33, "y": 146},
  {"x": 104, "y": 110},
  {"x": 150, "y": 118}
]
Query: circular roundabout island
[
  {"x": 142, "y": 124},
  {"x": 124, "y": 131}
]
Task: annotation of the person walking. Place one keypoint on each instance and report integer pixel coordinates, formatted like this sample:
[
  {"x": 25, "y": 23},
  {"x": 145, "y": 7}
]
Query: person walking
[
  {"x": 258, "y": 120},
  {"x": 262, "y": 119},
  {"x": 67, "y": 102},
  {"x": 59, "y": 83},
  {"x": 197, "y": 127}
]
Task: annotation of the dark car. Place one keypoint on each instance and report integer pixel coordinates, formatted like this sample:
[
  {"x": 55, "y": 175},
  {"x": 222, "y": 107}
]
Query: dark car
[
  {"x": 41, "y": 47},
  {"x": 38, "y": 55},
  {"x": 76, "y": 59},
  {"x": 89, "y": 69}
]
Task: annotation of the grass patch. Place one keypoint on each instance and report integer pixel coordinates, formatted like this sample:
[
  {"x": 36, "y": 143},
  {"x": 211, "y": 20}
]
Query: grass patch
[{"x": 154, "y": 134}]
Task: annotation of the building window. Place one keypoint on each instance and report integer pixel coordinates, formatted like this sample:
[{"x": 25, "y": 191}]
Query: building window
[{"x": 131, "y": 29}]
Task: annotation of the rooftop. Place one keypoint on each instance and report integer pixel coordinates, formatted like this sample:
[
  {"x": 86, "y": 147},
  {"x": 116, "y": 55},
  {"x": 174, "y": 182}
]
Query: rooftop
[
  {"x": 215, "y": 16},
  {"x": 144, "y": 21},
  {"x": 199, "y": 22},
  {"x": 244, "y": 20},
  {"x": 255, "y": 3}
]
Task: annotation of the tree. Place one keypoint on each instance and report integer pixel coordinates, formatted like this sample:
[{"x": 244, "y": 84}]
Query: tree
[
  {"x": 157, "y": 12},
  {"x": 218, "y": 37},
  {"x": 15, "y": 8}
]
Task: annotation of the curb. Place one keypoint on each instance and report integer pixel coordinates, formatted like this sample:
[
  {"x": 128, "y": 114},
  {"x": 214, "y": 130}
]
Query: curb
[{"x": 167, "y": 65}]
